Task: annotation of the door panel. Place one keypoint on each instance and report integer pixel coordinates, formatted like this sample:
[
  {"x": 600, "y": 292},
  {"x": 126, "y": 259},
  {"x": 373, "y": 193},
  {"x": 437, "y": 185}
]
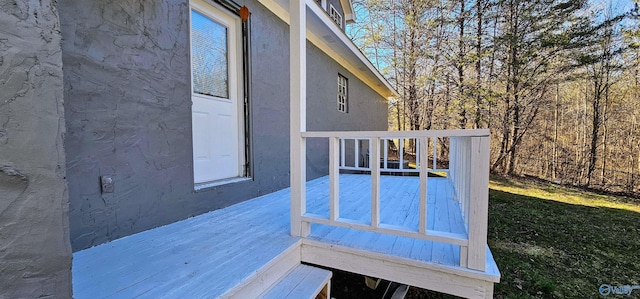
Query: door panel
[{"x": 215, "y": 140}]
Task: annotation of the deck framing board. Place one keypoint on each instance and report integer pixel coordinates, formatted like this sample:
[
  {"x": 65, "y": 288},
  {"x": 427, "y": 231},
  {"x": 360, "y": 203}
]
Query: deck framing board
[{"x": 464, "y": 283}]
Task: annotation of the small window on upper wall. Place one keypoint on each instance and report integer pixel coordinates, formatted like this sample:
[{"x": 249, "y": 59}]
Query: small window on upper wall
[
  {"x": 322, "y": 3},
  {"x": 343, "y": 94},
  {"x": 335, "y": 15}
]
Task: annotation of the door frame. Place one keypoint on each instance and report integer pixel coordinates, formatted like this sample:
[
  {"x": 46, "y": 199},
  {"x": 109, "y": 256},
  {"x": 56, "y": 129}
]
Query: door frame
[{"x": 237, "y": 87}]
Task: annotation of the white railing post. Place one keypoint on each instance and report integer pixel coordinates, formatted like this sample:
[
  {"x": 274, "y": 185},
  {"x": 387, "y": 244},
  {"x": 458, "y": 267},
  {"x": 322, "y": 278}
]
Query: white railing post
[
  {"x": 334, "y": 178},
  {"x": 375, "y": 181},
  {"x": 478, "y": 202},
  {"x": 424, "y": 180},
  {"x": 298, "y": 116}
]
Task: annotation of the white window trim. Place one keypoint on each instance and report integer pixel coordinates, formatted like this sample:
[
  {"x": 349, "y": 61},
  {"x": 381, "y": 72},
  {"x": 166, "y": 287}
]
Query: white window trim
[
  {"x": 335, "y": 15},
  {"x": 343, "y": 99}
]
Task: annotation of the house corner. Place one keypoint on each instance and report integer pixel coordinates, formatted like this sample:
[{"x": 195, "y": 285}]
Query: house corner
[{"x": 35, "y": 248}]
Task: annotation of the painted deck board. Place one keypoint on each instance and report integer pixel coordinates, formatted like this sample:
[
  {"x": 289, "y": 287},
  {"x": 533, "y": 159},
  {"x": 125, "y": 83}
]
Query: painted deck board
[
  {"x": 207, "y": 255},
  {"x": 200, "y": 257},
  {"x": 302, "y": 282}
]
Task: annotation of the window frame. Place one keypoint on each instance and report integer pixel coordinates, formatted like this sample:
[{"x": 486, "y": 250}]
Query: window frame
[
  {"x": 342, "y": 98},
  {"x": 220, "y": 17},
  {"x": 335, "y": 15}
]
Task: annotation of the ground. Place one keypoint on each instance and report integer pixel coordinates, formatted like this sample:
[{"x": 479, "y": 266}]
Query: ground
[
  {"x": 555, "y": 242},
  {"x": 549, "y": 242},
  {"x": 345, "y": 285}
]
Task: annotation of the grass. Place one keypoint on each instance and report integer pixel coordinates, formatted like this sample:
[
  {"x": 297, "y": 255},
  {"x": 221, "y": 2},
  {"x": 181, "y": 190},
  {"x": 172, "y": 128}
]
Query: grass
[
  {"x": 549, "y": 242},
  {"x": 556, "y": 242}
]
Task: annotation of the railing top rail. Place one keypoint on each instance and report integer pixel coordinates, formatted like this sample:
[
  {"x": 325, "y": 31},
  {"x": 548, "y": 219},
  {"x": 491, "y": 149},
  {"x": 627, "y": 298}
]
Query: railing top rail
[{"x": 398, "y": 134}]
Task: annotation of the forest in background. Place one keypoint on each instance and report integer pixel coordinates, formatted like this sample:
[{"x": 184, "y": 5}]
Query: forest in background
[{"x": 556, "y": 81}]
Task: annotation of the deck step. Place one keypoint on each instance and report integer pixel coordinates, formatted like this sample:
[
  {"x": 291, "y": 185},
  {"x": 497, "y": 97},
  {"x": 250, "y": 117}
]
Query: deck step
[{"x": 301, "y": 282}]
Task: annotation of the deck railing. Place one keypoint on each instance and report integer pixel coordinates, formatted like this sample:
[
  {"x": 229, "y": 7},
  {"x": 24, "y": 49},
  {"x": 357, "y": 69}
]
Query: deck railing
[
  {"x": 468, "y": 172},
  {"x": 355, "y": 154}
]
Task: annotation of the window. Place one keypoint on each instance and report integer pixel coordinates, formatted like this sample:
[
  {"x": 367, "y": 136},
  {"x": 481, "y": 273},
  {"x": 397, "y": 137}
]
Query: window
[
  {"x": 209, "y": 62},
  {"x": 343, "y": 99},
  {"x": 335, "y": 15}
]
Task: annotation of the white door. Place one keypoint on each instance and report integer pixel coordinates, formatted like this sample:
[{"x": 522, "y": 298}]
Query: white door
[{"x": 215, "y": 67}]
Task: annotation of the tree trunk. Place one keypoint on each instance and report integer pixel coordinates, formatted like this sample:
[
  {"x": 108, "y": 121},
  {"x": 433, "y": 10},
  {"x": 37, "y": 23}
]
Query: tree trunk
[
  {"x": 554, "y": 161},
  {"x": 478, "y": 116},
  {"x": 595, "y": 131},
  {"x": 460, "y": 65}
]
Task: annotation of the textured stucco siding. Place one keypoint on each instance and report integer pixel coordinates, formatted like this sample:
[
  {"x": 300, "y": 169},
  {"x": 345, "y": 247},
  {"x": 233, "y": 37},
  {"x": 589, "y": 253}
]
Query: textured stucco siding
[
  {"x": 128, "y": 107},
  {"x": 129, "y": 116},
  {"x": 35, "y": 253}
]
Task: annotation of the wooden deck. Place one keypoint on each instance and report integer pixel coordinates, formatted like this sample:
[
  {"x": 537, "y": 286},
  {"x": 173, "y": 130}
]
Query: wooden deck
[{"x": 219, "y": 253}]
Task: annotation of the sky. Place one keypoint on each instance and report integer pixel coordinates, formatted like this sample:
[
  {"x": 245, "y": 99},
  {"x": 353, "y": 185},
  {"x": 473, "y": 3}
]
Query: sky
[{"x": 619, "y": 6}]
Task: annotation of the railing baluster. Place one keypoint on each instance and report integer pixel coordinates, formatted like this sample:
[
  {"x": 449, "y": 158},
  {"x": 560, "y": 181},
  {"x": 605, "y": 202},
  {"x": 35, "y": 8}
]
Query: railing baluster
[
  {"x": 417, "y": 151},
  {"x": 356, "y": 152},
  {"x": 386, "y": 154},
  {"x": 464, "y": 255},
  {"x": 342, "y": 158},
  {"x": 467, "y": 172},
  {"x": 334, "y": 178},
  {"x": 400, "y": 153},
  {"x": 435, "y": 153},
  {"x": 375, "y": 182},
  {"x": 424, "y": 177}
]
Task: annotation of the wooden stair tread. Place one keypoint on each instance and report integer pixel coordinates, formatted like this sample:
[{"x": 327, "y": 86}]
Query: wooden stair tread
[{"x": 301, "y": 282}]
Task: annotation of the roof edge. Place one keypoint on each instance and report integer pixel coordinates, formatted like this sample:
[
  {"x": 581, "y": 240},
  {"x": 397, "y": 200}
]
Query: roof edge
[{"x": 387, "y": 91}]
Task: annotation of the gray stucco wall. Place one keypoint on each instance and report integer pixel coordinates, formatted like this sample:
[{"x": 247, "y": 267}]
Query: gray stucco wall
[
  {"x": 129, "y": 115},
  {"x": 128, "y": 107},
  {"x": 35, "y": 253}
]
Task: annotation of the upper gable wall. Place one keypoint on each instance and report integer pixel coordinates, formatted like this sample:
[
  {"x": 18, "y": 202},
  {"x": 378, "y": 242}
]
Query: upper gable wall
[{"x": 367, "y": 110}]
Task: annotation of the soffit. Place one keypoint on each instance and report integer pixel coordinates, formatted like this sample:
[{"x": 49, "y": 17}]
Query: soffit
[{"x": 324, "y": 34}]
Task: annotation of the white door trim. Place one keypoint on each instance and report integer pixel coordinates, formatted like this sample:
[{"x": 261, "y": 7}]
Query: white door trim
[{"x": 235, "y": 85}]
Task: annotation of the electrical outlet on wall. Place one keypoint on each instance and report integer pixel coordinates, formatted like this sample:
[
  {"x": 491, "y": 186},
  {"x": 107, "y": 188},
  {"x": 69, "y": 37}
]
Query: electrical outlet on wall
[{"x": 107, "y": 184}]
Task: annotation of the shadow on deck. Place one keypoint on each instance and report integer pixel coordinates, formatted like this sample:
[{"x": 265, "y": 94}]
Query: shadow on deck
[{"x": 239, "y": 250}]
